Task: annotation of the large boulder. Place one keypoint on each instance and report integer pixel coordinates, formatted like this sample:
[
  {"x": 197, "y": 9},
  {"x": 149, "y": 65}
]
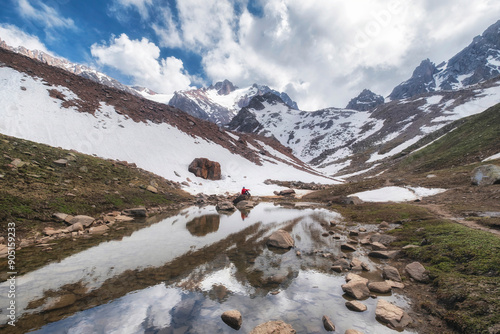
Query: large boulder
[
  {"x": 240, "y": 198},
  {"x": 281, "y": 239},
  {"x": 274, "y": 327},
  {"x": 232, "y": 318},
  {"x": 225, "y": 206},
  {"x": 486, "y": 175},
  {"x": 392, "y": 315},
  {"x": 205, "y": 169}
]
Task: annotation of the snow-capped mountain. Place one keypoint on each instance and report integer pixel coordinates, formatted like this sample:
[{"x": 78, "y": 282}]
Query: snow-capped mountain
[
  {"x": 220, "y": 102},
  {"x": 477, "y": 62},
  {"x": 51, "y": 106},
  {"x": 350, "y": 140},
  {"x": 74, "y": 68},
  {"x": 366, "y": 100}
]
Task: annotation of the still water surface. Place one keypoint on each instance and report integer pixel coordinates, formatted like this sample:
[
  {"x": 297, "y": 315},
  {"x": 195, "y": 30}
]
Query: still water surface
[{"x": 180, "y": 274}]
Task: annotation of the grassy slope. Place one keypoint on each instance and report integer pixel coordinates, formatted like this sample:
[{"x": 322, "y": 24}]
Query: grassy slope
[
  {"x": 29, "y": 195},
  {"x": 464, "y": 263},
  {"x": 474, "y": 139}
]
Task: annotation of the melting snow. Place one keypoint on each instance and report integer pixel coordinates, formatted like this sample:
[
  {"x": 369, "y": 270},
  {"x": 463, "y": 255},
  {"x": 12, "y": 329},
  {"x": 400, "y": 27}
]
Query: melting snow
[{"x": 397, "y": 194}]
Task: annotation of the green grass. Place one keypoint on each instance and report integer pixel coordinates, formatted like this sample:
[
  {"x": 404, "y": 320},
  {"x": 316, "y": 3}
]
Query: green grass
[
  {"x": 377, "y": 212},
  {"x": 465, "y": 268},
  {"x": 474, "y": 139}
]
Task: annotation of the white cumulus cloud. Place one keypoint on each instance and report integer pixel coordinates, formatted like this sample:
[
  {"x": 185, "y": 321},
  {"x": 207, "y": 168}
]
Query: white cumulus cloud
[
  {"x": 15, "y": 37},
  {"x": 140, "y": 59}
]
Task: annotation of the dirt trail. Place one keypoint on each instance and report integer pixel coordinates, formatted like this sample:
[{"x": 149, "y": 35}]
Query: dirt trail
[{"x": 441, "y": 212}]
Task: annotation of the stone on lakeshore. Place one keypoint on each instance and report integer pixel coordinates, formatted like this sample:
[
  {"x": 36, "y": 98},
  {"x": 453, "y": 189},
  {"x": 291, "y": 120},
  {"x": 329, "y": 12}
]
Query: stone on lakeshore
[
  {"x": 232, "y": 318},
  {"x": 225, "y": 206},
  {"x": 357, "y": 289},
  {"x": 281, "y": 239},
  {"x": 379, "y": 287},
  {"x": 356, "y": 306},
  {"x": 391, "y": 273},
  {"x": 392, "y": 315},
  {"x": 122, "y": 218},
  {"x": 86, "y": 221},
  {"x": 75, "y": 227},
  {"x": 136, "y": 212},
  {"x": 383, "y": 254},
  {"x": 99, "y": 229},
  {"x": 378, "y": 246},
  {"x": 348, "y": 247}
]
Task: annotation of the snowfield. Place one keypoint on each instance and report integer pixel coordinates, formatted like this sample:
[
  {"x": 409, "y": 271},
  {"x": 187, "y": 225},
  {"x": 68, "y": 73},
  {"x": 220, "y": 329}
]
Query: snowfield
[
  {"x": 30, "y": 113},
  {"x": 397, "y": 194}
]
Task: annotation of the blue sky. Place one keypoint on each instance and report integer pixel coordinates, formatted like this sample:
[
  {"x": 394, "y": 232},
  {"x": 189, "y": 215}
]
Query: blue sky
[{"x": 322, "y": 53}]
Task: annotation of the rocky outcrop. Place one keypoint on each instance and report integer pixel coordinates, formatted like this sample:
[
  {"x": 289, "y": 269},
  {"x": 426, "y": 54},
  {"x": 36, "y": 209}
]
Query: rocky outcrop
[
  {"x": 274, "y": 327},
  {"x": 486, "y": 175},
  {"x": 421, "y": 81},
  {"x": 281, "y": 239},
  {"x": 232, "y": 318},
  {"x": 392, "y": 315},
  {"x": 366, "y": 100},
  {"x": 206, "y": 169}
]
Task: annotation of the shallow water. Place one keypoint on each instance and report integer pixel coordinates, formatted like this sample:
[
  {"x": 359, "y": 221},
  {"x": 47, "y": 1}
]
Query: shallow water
[{"x": 181, "y": 274}]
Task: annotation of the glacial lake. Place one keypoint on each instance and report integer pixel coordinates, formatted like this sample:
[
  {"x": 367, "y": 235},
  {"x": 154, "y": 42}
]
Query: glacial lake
[{"x": 180, "y": 274}]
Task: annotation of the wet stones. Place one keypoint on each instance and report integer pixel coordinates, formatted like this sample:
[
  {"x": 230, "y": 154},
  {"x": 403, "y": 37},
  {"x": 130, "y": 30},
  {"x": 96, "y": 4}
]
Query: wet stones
[
  {"x": 136, "y": 212},
  {"x": 86, "y": 221},
  {"x": 281, "y": 239},
  {"x": 232, "y": 318},
  {"x": 356, "y": 306},
  {"x": 379, "y": 287},
  {"x": 392, "y": 315},
  {"x": 391, "y": 273},
  {"x": 356, "y": 287}
]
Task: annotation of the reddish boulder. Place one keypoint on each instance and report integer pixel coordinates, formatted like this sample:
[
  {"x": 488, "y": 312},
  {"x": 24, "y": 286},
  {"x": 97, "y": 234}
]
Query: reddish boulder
[{"x": 205, "y": 168}]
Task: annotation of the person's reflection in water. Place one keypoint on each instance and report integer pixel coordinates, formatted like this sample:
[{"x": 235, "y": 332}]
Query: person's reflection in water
[{"x": 244, "y": 214}]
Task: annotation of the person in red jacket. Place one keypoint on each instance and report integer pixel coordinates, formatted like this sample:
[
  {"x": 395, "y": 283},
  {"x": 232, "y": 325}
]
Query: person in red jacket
[{"x": 245, "y": 191}]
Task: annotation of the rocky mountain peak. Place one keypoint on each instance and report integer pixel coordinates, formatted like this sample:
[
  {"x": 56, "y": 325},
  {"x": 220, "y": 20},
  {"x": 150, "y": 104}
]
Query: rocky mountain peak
[
  {"x": 366, "y": 100},
  {"x": 422, "y": 81},
  {"x": 224, "y": 87}
]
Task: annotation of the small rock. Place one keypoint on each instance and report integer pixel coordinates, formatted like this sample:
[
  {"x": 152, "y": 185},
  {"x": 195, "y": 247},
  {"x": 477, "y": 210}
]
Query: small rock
[
  {"x": 356, "y": 289},
  {"x": 61, "y": 162},
  {"x": 328, "y": 324},
  {"x": 378, "y": 246},
  {"x": 391, "y": 315},
  {"x": 99, "y": 229},
  {"x": 383, "y": 225},
  {"x": 348, "y": 247},
  {"x": 122, "y": 218},
  {"x": 152, "y": 189},
  {"x": 55, "y": 303},
  {"x": 356, "y": 306},
  {"x": 60, "y": 216},
  {"x": 136, "y": 212},
  {"x": 86, "y": 221},
  {"x": 352, "y": 331},
  {"x": 232, "y": 318},
  {"x": 391, "y": 273},
  {"x": 417, "y": 271},
  {"x": 395, "y": 285},
  {"x": 379, "y": 287},
  {"x": 75, "y": 227},
  {"x": 383, "y": 254}
]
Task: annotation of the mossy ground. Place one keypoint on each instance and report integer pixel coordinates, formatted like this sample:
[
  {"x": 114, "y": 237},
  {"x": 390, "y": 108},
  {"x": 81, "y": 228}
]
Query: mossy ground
[{"x": 88, "y": 185}]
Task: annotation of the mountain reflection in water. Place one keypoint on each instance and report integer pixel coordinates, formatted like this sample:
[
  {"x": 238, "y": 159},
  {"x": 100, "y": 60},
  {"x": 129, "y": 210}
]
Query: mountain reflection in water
[{"x": 181, "y": 274}]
